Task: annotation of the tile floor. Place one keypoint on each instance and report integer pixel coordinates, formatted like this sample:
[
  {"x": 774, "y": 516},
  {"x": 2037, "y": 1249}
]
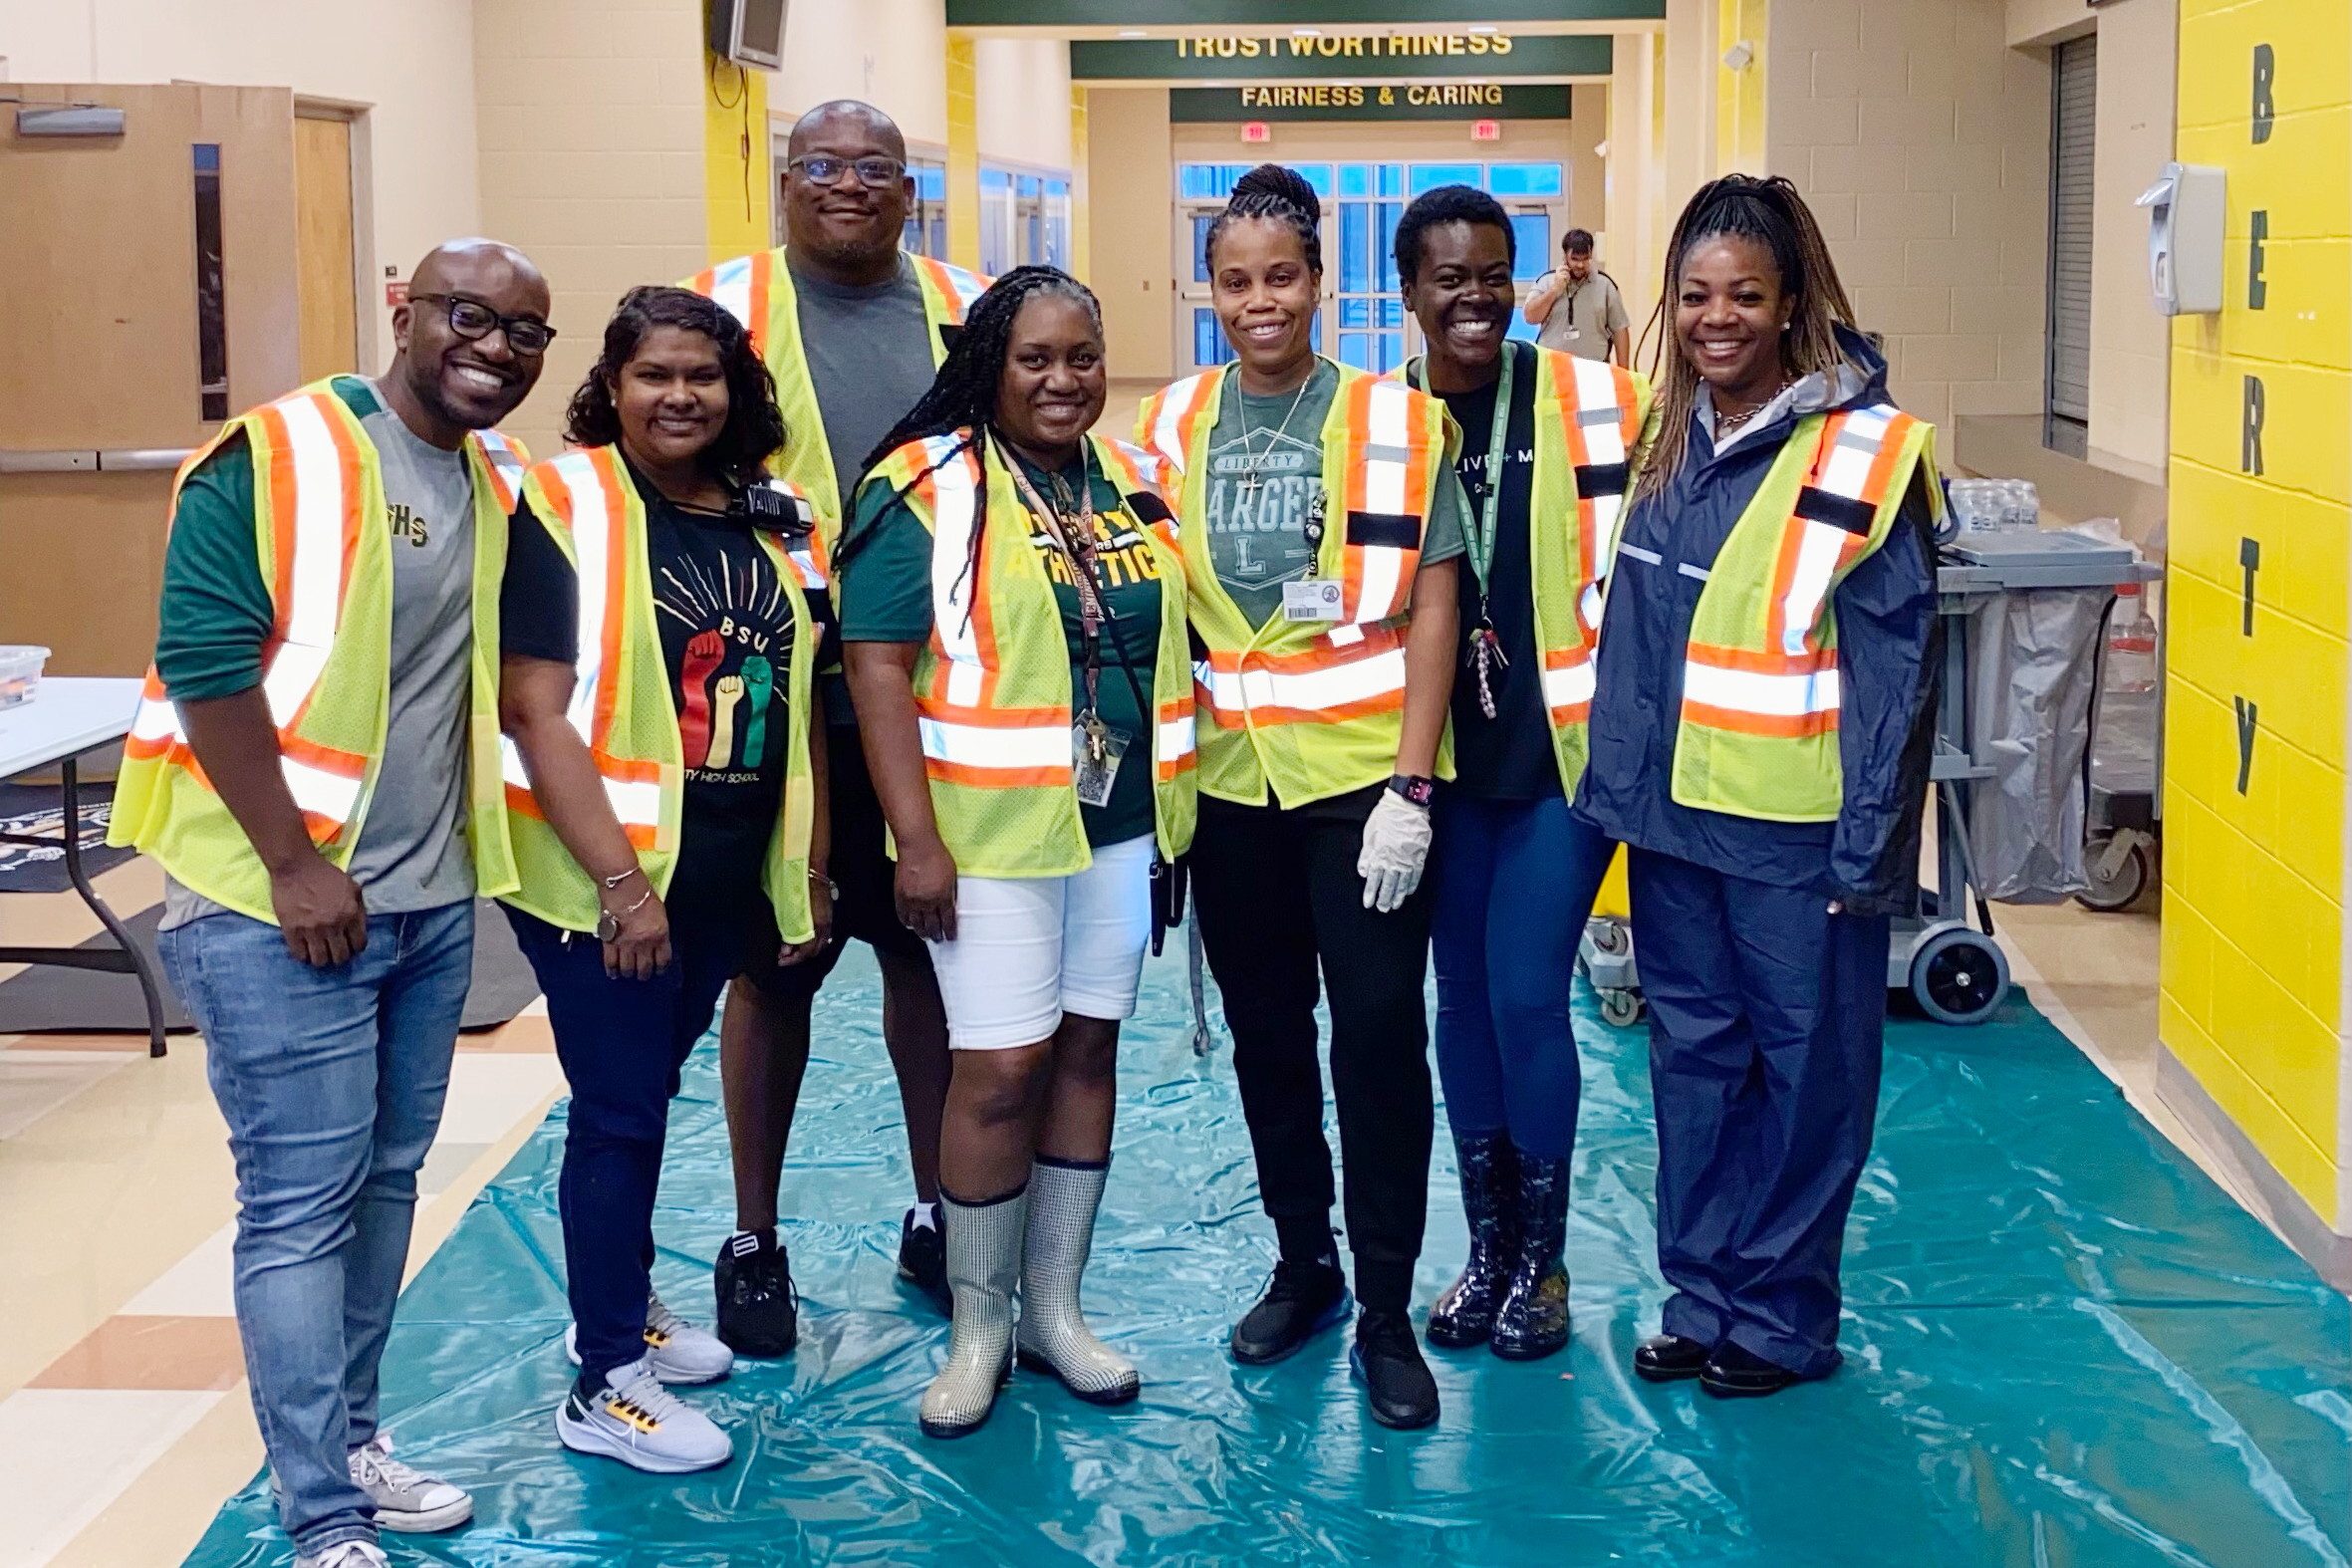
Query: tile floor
[{"x": 124, "y": 1421}]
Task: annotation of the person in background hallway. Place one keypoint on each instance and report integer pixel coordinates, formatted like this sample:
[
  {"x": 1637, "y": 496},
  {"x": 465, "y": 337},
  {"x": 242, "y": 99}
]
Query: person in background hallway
[
  {"x": 851, "y": 328},
  {"x": 1579, "y": 309},
  {"x": 1545, "y": 436},
  {"x": 314, "y": 765},
  {"x": 998, "y": 540},
  {"x": 1760, "y": 742},
  {"x": 1321, "y": 520},
  {"x": 665, "y": 802}
]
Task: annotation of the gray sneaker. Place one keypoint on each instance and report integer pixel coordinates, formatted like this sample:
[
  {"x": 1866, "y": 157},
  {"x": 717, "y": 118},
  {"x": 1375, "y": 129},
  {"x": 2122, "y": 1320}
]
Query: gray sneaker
[
  {"x": 406, "y": 1498},
  {"x": 636, "y": 1421},
  {"x": 346, "y": 1554}
]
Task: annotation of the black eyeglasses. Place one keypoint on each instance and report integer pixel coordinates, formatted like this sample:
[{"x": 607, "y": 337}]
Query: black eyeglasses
[
  {"x": 471, "y": 320},
  {"x": 820, "y": 169}
]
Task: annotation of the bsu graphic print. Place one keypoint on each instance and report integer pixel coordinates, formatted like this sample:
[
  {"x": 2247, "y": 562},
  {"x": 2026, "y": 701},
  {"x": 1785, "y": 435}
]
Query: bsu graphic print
[{"x": 737, "y": 627}]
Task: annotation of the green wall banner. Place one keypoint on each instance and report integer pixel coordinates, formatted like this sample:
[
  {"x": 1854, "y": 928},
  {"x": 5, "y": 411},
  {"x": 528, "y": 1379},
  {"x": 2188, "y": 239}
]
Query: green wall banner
[
  {"x": 1290, "y": 57},
  {"x": 1286, "y": 14},
  {"x": 1367, "y": 101}
]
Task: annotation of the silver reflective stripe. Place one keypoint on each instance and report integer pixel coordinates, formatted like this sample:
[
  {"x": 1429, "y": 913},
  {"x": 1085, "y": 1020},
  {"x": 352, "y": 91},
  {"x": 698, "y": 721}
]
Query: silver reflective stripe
[{"x": 1641, "y": 555}]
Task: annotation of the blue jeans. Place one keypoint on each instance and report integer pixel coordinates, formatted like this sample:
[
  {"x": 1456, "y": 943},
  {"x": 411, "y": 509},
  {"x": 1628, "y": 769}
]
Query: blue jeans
[
  {"x": 622, "y": 1043},
  {"x": 1515, "y": 884},
  {"x": 331, "y": 1082}
]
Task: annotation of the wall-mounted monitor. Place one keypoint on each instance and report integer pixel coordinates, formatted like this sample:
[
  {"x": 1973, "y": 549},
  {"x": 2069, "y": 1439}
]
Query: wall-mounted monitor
[{"x": 749, "y": 32}]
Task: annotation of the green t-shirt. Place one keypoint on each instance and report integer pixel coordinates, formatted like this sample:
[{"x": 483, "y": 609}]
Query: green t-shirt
[
  {"x": 1257, "y": 530},
  {"x": 886, "y": 597}
]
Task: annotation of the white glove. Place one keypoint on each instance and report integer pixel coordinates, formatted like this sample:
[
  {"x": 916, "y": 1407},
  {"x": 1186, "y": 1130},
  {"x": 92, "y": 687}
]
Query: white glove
[{"x": 1396, "y": 847}]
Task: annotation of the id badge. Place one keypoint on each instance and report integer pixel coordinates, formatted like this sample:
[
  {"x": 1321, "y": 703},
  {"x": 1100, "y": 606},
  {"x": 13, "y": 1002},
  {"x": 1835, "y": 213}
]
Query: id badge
[
  {"x": 1311, "y": 599},
  {"x": 1094, "y": 760}
]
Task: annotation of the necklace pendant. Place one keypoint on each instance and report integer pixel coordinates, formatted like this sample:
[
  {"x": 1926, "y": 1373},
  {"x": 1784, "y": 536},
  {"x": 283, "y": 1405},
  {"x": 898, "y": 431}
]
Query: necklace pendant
[{"x": 1251, "y": 484}]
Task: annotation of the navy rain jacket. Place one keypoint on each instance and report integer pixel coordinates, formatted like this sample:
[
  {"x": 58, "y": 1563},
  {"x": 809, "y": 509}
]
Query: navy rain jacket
[{"x": 1889, "y": 658}]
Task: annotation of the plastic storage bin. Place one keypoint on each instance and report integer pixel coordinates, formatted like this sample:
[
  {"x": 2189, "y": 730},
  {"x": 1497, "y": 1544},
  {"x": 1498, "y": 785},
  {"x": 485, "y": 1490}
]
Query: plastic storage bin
[{"x": 20, "y": 673}]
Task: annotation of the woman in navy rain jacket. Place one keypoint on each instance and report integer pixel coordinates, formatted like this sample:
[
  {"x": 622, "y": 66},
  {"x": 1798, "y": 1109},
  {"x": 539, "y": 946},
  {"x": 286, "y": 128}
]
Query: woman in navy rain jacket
[{"x": 1768, "y": 784}]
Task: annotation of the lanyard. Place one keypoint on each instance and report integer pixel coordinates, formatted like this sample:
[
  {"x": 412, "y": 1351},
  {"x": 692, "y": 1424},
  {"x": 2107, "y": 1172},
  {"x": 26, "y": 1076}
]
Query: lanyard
[
  {"x": 1079, "y": 556},
  {"x": 1481, "y": 542}
]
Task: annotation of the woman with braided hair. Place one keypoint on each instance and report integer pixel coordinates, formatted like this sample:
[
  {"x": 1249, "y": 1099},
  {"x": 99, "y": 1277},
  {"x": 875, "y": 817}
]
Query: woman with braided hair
[
  {"x": 1022, "y": 674},
  {"x": 1760, "y": 742},
  {"x": 1323, "y": 524}
]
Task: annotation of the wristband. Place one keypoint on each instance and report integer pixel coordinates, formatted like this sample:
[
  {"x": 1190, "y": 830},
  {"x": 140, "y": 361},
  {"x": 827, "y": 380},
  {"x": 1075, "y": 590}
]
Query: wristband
[{"x": 1418, "y": 791}]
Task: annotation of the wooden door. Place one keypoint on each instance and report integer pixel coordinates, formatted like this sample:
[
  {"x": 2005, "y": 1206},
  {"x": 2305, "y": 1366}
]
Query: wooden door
[
  {"x": 325, "y": 268},
  {"x": 147, "y": 290}
]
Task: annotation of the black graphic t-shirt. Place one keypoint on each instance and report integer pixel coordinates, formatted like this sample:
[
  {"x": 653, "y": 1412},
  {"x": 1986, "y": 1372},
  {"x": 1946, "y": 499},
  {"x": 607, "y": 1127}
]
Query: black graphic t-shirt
[{"x": 727, "y": 635}]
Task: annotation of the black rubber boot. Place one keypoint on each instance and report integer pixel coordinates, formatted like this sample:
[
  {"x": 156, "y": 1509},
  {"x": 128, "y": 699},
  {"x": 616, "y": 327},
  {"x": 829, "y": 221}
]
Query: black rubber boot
[
  {"x": 1533, "y": 1320},
  {"x": 1464, "y": 1314}
]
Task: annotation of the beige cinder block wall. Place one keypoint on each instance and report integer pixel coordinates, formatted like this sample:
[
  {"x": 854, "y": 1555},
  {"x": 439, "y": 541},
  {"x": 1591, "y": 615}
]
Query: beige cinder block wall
[
  {"x": 1132, "y": 213},
  {"x": 591, "y": 128},
  {"x": 1921, "y": 142}
]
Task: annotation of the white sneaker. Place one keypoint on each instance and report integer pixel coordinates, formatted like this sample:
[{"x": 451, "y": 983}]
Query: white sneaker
[
  {"x": 350, "y": 1554},
  {"x": 635, "y": 1420},
  {"x": 406, "y": 1498},
  {"x": 679, "y": 1352}
]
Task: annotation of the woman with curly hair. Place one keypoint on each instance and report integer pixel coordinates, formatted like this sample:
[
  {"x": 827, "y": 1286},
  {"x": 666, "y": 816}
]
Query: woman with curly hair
[{"x": 665, "y": 792}]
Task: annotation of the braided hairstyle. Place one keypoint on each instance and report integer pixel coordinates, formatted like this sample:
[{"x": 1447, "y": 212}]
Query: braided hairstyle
[
  {"x": 754, "y": 430},
  {"x": 1773, "y": 215},
  {"x": 1278, "y": 196},
  {"x": 962, "y": 397}
]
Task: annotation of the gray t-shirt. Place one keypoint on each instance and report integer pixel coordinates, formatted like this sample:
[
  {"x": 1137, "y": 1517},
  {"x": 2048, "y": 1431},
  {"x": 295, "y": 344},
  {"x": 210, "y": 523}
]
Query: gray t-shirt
[
  {"x": 411, "y": 852},
  {"x": 1586, "y": 320},
  {"x": 1265, "y": 466},
  {"x": 869, "y": 354}
]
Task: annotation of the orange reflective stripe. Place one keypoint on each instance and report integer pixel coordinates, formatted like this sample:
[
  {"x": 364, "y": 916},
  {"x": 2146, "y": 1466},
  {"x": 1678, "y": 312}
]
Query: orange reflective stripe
[
  {"x": 1778, "y": 726},
  {"x": 281, "y": 444},
  {"x": 615, "y": 522},
  {"x": 763, "y": 275},
  {"x": 1763, "y": 661}
]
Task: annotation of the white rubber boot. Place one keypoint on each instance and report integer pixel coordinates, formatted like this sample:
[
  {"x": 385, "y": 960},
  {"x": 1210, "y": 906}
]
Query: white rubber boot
[
  {"x": 1053, "y": 1336},
  {"x": 983, "y": 1269}
]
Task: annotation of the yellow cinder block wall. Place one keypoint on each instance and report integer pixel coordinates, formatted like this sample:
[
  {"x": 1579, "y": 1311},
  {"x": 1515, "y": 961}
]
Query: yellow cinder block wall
[
  {"x": 738, "y": 181},
  {"x": 2253, "y": 1004}
]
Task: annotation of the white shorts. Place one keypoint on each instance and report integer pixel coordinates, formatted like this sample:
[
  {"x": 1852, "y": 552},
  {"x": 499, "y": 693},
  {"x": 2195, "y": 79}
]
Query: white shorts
[{"x": 1029, "y": 949}]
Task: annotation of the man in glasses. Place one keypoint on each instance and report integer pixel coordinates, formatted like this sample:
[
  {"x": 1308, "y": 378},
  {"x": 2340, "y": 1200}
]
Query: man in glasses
[
  {"x": 853, "y": 328},
  {"x": 316, "y": 766}
]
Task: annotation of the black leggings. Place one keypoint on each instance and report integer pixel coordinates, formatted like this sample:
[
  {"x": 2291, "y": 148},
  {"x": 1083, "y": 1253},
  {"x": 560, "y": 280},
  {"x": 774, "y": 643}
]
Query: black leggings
[{"x": 1277, "y": 894}]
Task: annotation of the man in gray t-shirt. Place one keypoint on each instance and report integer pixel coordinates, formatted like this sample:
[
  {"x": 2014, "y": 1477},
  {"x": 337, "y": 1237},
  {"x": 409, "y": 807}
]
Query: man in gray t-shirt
[
  {"x": 868, "y": 353},
  {"x": 1578, "y": 306},
  {"x": 330, "y": 996}
]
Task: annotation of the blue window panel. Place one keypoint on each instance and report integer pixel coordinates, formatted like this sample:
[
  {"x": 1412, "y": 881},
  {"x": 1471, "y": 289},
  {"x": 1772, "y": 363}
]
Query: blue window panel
[
  {"x": 1391, "y": 352},
  {"x": 1533, "y": 231},
  {"x": 1201, "y": 225},
  {"x": 1317, "y": 175},
  {"x": 931, "y": 181},
  {"x": 1209, "y": 181},
  {"x": 1208, "y": 338},
  {"x": 1355, "y": 312},
  {"x": 1027, "y": 184},
  {"x": 1057, "y": 187},
  {"x": 997, "y": 179},
  {"x": 1355, "y": 247},
  {"x": 1392, "y": 314},
  {"x": 1524, "y": 179},
  {"x": 1389, "y": 214},
  {"x": 1392, "y": 179},
  {"x": 1523, "y": 329},
  {"x": 1355, "y": 180},
  {"x": 1355, "y": 348},
  {"x": 1429, "y": 176}
]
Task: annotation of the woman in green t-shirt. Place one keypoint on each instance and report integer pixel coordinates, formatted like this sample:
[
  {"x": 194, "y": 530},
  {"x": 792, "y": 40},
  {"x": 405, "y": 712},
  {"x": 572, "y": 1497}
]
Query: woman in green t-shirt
[{"x": 1024, "y": 696}]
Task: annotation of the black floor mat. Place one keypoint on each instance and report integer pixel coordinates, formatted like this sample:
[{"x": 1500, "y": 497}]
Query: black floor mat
[
  {"x": 79, "y": 1001},
  {"x": 38, "y": 809}
]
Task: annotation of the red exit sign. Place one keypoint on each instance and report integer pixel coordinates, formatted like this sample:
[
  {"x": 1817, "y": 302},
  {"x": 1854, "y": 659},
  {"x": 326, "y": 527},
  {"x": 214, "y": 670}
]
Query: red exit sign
[
  {"x": 1485, "y": 130},
  {"x": 1257, "y": 130}
]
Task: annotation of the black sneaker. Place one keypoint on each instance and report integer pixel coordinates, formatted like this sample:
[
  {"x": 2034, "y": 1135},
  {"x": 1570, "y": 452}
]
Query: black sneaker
[
  {"x": 758, "y": 1310},
  {"x": 1300, "y": 1302},
  {"x": 922, "y": 1261},
  {"x": 1386, "y": 1359}
]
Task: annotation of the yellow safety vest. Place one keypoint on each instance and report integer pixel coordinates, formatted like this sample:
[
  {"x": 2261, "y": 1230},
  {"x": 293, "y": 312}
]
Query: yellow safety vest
[
  {"x": 325, "y": 557},
  {"x": 623, "y": 706},
  {"x": 1312, "y": 709},
  {"x": 992, "y": 685},
  {"x": 758, "y": 291},
  {"x": 1759, "y": 732},
  {"x": 1588, "y": 416}
]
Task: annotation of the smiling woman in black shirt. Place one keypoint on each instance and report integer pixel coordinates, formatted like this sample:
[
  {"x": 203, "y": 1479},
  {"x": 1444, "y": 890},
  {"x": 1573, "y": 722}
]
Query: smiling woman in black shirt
[{"x": 664, "y": 787}]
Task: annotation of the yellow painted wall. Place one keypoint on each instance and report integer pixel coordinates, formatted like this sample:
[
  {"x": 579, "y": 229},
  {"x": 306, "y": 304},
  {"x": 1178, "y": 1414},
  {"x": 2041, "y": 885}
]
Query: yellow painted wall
[
  {"x": 963, "y": 154},
  {"x": 738, "y": 176},
  {"x": 2254, "y": 977},
  {"x": 1739, "y": 95},
  {"x": 1081, "y": 188}
]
